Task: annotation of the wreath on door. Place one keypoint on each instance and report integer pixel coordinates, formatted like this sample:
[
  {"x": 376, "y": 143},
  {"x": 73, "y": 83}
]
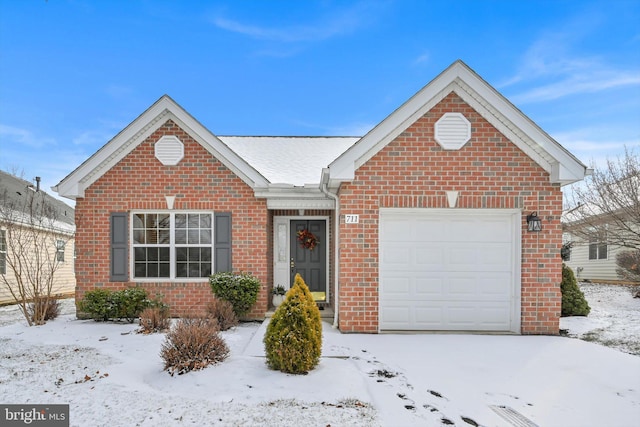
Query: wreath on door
[{"x": 307, "y": 239}]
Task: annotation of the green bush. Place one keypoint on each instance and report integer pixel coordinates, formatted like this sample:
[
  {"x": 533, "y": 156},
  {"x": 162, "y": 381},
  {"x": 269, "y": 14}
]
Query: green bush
[
  {"x": 103, "y": 304},
  {"x": 573, "y": 301},
  {"x": 129, "y": 303},
  {"x": 241, "y": 290},
  {"x": 293, "y": 341},
  {"x": 97, "y": 304}
]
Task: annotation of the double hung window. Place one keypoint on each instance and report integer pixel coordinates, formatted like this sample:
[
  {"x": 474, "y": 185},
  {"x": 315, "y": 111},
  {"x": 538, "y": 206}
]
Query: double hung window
[
  {"x": 598, "y": 246},
  {"x": 3, "y": 252},
  {"x": 172, "y": 245}
]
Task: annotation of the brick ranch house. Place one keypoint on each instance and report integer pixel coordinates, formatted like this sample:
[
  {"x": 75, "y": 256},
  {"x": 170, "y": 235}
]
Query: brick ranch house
[{"x": 421, "y": 224}]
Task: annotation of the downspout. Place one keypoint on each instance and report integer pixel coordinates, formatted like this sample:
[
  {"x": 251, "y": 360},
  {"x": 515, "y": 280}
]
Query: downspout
[{"x": 324, "y": 187}]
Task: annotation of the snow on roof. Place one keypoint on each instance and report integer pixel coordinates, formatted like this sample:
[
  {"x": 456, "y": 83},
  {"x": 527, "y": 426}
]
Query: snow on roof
[{"x": 288, "y": 159}]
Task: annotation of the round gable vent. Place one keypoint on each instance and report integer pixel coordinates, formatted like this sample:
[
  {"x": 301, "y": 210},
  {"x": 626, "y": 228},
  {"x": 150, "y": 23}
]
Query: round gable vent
[
  {"x": 452, "y": 131},
  {"x": 169, "y": 150}
]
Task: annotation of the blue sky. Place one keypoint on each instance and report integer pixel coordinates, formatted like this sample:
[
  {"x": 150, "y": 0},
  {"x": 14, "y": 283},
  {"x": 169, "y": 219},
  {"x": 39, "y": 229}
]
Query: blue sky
[{"x": 73, "y": 73}]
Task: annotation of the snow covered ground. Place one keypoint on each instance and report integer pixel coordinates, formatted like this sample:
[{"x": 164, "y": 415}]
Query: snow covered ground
[
  {"x": 614, "y": 319},
  {"x": 112, "y": 376}
]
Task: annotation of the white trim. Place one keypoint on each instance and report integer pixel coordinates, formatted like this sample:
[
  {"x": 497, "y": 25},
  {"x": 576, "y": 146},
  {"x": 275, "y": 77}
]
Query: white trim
[
  {"x": 172, "y": 245},
  {"x": 562, "y": 166},
  {"x": 301, "y": 203},
  {"x": 279, "y": 266},
  {"x": 139, "y": 130},
  {"x": 516, "y": 266}
]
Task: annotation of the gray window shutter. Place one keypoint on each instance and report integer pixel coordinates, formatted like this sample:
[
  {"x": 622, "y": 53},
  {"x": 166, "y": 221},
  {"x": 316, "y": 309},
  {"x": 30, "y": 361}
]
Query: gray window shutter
[
  {"x": 222, "y": 243},
  {"x": 119, "y": 247}
]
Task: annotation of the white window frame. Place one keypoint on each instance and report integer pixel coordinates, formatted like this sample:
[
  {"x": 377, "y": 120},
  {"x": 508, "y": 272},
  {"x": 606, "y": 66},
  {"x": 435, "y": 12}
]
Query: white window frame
[
  {"x": 598, "y": 241},
  {"x": 3, "y": 251},
  {"x": 60, "y": 245},
  {"x": 172, "y": 246}
]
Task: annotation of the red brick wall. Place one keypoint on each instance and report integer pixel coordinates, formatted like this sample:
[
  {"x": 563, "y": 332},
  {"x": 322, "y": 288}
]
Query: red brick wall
[
  {"x": 199, "y": 181},
  {"x": 414, "y": 171}
]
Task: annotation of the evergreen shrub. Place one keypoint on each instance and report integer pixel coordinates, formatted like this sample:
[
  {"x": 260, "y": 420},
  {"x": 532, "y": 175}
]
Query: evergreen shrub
[
  {"x": 573, "y": 301},
  {"x": 293, "y": 340},
  {"x": 241, "y": 290},
  {"x": 104, "y": 304}
]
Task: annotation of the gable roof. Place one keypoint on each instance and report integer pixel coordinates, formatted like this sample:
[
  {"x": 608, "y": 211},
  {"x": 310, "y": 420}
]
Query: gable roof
[
  {"x": 562, "y": 166},
  {"x": 301, "y": 166},
  {"x": 123, "y": 143},
  {"x": 14, "y": 193}
]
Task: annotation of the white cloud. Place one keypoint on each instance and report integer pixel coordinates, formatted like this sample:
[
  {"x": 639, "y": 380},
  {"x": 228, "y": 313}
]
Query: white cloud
[
  {"x": 335, "y": 24},
  {"x": 593, "y": 147},
  {"x": 92, "y": 138},
  {"x": 550, "y": 69},
  {"x": 10, "y": 135},
  {"x": 422, "y": 59}
]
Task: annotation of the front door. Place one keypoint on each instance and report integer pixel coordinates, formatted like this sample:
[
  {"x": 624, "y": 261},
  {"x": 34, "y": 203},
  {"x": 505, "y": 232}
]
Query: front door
[{"x": 309, "y": 255}]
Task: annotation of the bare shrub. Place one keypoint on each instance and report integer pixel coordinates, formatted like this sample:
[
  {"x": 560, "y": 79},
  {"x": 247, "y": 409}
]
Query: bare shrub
[
  {"x": 193, "y": 344},
  {"x": 222, "y": 311},
  {"x": 44, "y": 308},
  {"x": 154, "y": 319},
  {"x": 628, "y": 265}
]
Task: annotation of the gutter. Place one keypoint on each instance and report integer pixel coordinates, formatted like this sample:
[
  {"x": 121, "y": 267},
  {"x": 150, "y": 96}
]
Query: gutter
[{"x": 324, "y": 187}]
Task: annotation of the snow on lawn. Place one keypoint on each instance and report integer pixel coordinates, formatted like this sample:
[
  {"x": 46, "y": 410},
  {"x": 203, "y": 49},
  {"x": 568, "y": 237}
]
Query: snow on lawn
[
  {"x": 614, "y": 319},
  {"x": 112, "y": 376}
]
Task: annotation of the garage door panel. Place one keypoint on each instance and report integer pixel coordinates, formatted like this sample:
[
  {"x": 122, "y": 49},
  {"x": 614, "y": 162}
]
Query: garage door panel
[
  {"x": 395, "y": 316},
  {"x": 449, "y": 270},
  {"x": 399, "y": 288},
  {"x": 396, "y": 255},
  {"x": 428, "y": 257},
  {"x": 429, "y": 287}
]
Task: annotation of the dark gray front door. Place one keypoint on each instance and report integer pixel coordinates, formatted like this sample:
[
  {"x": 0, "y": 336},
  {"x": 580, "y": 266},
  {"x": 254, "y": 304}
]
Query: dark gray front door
[{"x": 311, "y": 264}]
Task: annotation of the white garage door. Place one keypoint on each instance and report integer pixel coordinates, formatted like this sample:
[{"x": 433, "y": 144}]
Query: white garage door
[{"x": 450, "y": 269}]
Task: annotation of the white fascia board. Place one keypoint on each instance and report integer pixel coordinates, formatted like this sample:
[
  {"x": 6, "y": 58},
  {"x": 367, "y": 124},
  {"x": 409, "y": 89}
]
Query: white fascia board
[
  {"x": 494, "y": 107},
  {"x": 394, "y": 124},
  {"x": 219, "y": 150},
  {"x": 127, "y": 140},
  {"x": 532, "y": 131},
  {"x": 279, "y": 197},
  {"x": 74, "y": 184}
]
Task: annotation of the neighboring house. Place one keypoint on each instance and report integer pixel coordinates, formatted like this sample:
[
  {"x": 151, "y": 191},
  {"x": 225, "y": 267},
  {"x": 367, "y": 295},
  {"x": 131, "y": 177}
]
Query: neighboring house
[
  {"x": 419, "y": 225},
  {"x": 592, "y": 255},
  {"x": 14, "y": 196}
]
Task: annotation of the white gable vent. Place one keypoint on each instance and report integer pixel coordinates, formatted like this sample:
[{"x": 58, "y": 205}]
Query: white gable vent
[
  {"x": 453, "y": 130},
  {"x": 169, "y": 150}
]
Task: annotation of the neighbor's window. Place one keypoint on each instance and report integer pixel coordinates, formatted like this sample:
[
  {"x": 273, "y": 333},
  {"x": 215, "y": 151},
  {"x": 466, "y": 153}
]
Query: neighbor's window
[
  {"x": 598, "y": 246},
  {"x": 172, "y": 245},
  {"x": 3, "y": 252},
  {"x": 60, "y": 244}
]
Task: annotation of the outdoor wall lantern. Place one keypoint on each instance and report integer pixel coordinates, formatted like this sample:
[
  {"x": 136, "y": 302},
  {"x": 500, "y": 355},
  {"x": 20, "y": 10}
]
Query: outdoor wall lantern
[{"x": 533, "y": 222}]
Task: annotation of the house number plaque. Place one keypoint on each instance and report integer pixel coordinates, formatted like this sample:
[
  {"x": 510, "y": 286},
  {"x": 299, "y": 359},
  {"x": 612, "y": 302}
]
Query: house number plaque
[{"x": 351, "y": 219}]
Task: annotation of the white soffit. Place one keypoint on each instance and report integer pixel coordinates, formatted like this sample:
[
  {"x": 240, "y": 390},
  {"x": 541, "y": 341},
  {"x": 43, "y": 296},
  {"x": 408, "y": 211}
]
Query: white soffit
[
  {"x": 452, "y": 131},
  {"x": 169, "y": 150}
]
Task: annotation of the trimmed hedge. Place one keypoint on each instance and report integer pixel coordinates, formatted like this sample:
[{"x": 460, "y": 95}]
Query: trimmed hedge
[
  {"x": 104, "y": 304},
  {"x": 241, "y": 290},
  {"x": 293, "y": 341}
]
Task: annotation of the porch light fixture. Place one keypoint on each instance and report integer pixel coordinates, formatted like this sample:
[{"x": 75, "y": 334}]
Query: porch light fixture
[{"x": 533, "y": 222}]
